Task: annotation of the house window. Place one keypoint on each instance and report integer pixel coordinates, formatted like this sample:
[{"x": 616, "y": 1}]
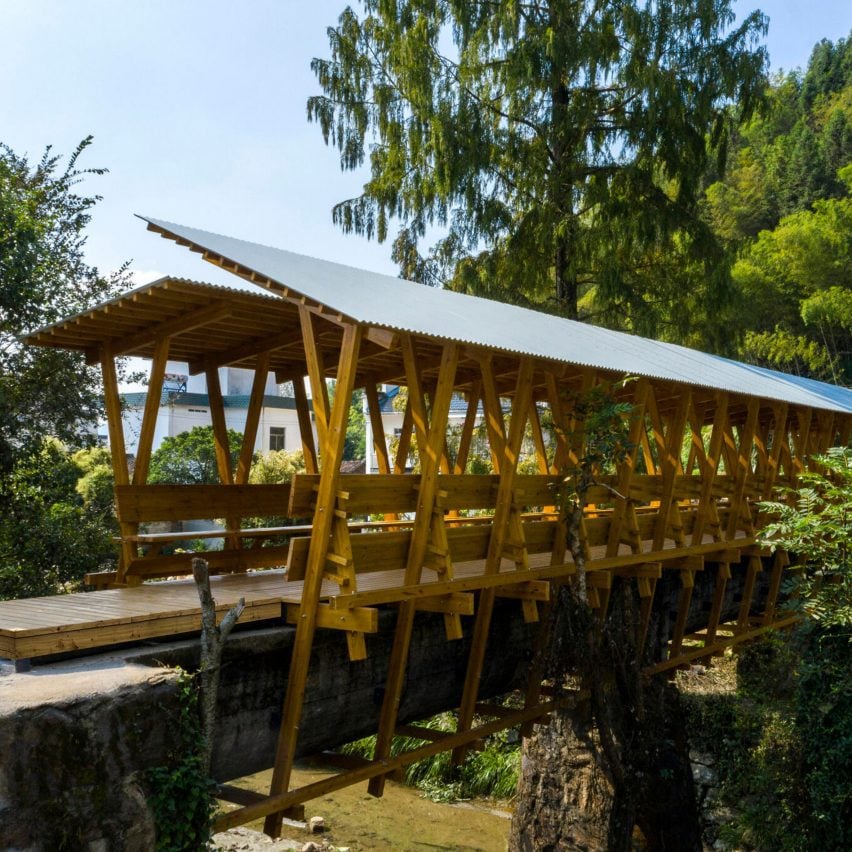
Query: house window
[{"x": 276, "y": 437}]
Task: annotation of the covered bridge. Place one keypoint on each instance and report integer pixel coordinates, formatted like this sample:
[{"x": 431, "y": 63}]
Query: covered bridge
[{"x": 709, "y": 438}]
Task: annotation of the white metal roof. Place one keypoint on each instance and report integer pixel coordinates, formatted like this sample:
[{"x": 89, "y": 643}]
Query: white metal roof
[{"x": 395, "y": 303}]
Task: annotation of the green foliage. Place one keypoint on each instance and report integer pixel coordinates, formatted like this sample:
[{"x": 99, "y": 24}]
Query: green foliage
[
  {"x": 190, "y": 457},
  {"x": 783, "y": 743},
  {"x": 97, "y": 482},
  {"x": 815, "y": 525},
  {"x": 43, "y": 277},
  {"x": 783, "y": 209},
  {"x": 55, "y": 524},
  {"x": 491, "y": 772},
  {"x": 560, "y": 146},
  {"x": 797, "y": 281},
  {"x": 180, "y": 795},
  {"x": 355, "y": 446},
  {"x": 276, "y": 467}
]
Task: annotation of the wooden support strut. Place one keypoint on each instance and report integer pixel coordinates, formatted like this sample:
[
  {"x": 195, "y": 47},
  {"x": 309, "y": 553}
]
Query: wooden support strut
[
  {"x": 430, "y": 441},
  {"x": 707, "y": 514},
  {"x": 153, "y": 400},
  {"x": 740, "y": 514},
  {"x": 623, "y": 524},
  {"x": 670, "y": 462},
  {"x": 505, "y": 451},
  {"x": 112, "y": 404},
  {"x": 255, "y": 405},
  {"x": 222, "y": 447},
  {"x": 380, "y": 444},
  {"x": 333, "y": 438},
  {"x": 306, "y": 430}
]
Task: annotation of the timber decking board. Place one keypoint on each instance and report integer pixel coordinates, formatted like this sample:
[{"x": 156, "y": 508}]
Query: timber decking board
[{"x": 39, "y": 626}]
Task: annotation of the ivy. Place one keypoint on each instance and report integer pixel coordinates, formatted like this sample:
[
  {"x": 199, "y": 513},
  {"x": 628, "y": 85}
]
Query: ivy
[{"x": 180, "y": 793}]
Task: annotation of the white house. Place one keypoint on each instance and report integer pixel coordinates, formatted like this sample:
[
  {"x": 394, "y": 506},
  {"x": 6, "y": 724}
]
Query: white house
[{"x": 185, "y": 404}]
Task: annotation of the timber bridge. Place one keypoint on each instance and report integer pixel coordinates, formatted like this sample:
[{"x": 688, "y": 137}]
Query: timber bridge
[{"x": 362, "y": 556}]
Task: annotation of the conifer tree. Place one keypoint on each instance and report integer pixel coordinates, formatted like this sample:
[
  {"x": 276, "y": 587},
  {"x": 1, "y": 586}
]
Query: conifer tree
[{"x": 558, "y": 145}]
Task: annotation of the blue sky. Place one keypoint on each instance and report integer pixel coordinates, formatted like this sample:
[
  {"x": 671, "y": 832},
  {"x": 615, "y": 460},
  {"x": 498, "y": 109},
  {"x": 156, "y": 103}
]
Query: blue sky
[{"x": 198, "y": 111}]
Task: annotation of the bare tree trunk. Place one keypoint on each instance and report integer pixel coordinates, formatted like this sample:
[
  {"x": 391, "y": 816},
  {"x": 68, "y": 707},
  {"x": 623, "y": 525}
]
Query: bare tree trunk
[
  {"x": 619, "y": 760},
  {"x": 565, "y": 792},
  {"x": 213, "y": 639}
]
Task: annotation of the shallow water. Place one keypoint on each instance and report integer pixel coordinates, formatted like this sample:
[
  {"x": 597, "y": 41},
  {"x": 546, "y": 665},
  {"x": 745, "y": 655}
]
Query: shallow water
[{"x": 400, "y": 820}]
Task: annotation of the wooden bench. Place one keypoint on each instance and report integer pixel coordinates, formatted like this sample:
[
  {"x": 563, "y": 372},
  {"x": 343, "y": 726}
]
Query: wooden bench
[{"x": 146, "y": 504}]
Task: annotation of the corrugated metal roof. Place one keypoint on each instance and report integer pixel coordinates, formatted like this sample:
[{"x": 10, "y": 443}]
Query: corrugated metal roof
[{"x": 402, "y": 305}]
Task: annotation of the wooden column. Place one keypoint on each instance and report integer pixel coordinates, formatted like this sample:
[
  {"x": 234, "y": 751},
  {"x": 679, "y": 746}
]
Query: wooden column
[
  {"x": 430, "y": 443},
  {"x": 153, "y": 399},
  {"x": 505, "y": 451},
  {"x": 221, "y": 443},
  {"x": 740, "y": 515},
  {"x": 466, "y": 437},
  {"x": 380, "y": 444},
  {"x": 222, "y": 447},
  {"x": 331, "y": 453},
  {"x": 258, "y": 387},
  {"x": 112, "y": 404},
  {"x": 623, "y": 514},
  {"x": 706, "y": 512},
  {"x": 538, "y": 440},
  {"x": 306, "y": 430},
  {"x": 670, "y": 466},
  {"x": 404, "y": 445}
]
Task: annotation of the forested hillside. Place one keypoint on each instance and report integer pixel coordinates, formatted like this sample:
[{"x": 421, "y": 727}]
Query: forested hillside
[
  {"x": 785, "y": 213},
  {"x": 781, "y": 218}
]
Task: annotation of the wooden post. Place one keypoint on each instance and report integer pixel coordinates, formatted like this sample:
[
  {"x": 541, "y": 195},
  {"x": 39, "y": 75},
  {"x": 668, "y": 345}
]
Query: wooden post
[
  {"x": 739, "y": 515},
  {"x": 466, "y": 437},
  {"x": 430, "y": 441},
  {"x": 623, "y": 513},
  {"x": 538, "y": 440},
  {"x": 380, "y": 444},
  {"x": 222, "y": 446},
  {"x": 706, "y": 513},
  {"x": 402, "y": 449},
  {"x": 258, "y": 388},
  {"x": 306, "y": 430},
  {"x": 331, "y": 454},
  {"x": 112, "y": 404},
  {"x": 221, "y": 443},
  {"x": 153, "y": 400},
  {"x": 755, "y": 566},
  {"x": 670, "y": 465},
  {"x": 505, "y": 450}
]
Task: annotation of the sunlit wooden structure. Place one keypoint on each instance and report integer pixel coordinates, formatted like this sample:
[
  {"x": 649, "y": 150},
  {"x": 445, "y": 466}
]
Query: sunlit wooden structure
[{"x": 703, "y": 453}]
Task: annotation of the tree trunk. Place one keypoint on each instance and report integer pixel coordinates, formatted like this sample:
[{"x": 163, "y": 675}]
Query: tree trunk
[
  {"x": 619, "y": 760},
  {"x": 567, "y": 289},
  {"x": 565, "y": 792},
  {"x": 213, "y": 640}
]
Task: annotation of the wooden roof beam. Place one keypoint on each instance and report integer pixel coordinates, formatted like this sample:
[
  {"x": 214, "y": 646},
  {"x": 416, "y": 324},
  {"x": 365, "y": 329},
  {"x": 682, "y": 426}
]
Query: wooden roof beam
[
  {"x": 238, "y": 353},
  {"x": 169, "y": 328}
]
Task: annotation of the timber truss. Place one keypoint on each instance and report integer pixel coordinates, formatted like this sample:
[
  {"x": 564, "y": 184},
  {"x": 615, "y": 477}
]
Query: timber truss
[{"x": 682, "y": 501}]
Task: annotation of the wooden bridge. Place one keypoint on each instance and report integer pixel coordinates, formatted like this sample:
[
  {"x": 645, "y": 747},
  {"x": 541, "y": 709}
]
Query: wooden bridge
[{"x": 709, "y": 439}]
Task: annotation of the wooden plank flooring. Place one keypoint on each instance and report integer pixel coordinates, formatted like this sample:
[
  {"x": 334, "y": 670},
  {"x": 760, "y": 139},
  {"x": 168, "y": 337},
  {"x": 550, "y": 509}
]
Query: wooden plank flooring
[{"x": 35, "y": 627}]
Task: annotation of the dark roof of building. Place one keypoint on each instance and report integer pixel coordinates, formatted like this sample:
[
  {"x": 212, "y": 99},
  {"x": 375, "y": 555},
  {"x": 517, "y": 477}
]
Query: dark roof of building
[{"x": 137, "y": 400}]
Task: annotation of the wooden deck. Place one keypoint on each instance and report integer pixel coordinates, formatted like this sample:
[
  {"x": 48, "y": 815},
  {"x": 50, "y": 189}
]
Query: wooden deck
[{"x": 36, "y": 627}]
